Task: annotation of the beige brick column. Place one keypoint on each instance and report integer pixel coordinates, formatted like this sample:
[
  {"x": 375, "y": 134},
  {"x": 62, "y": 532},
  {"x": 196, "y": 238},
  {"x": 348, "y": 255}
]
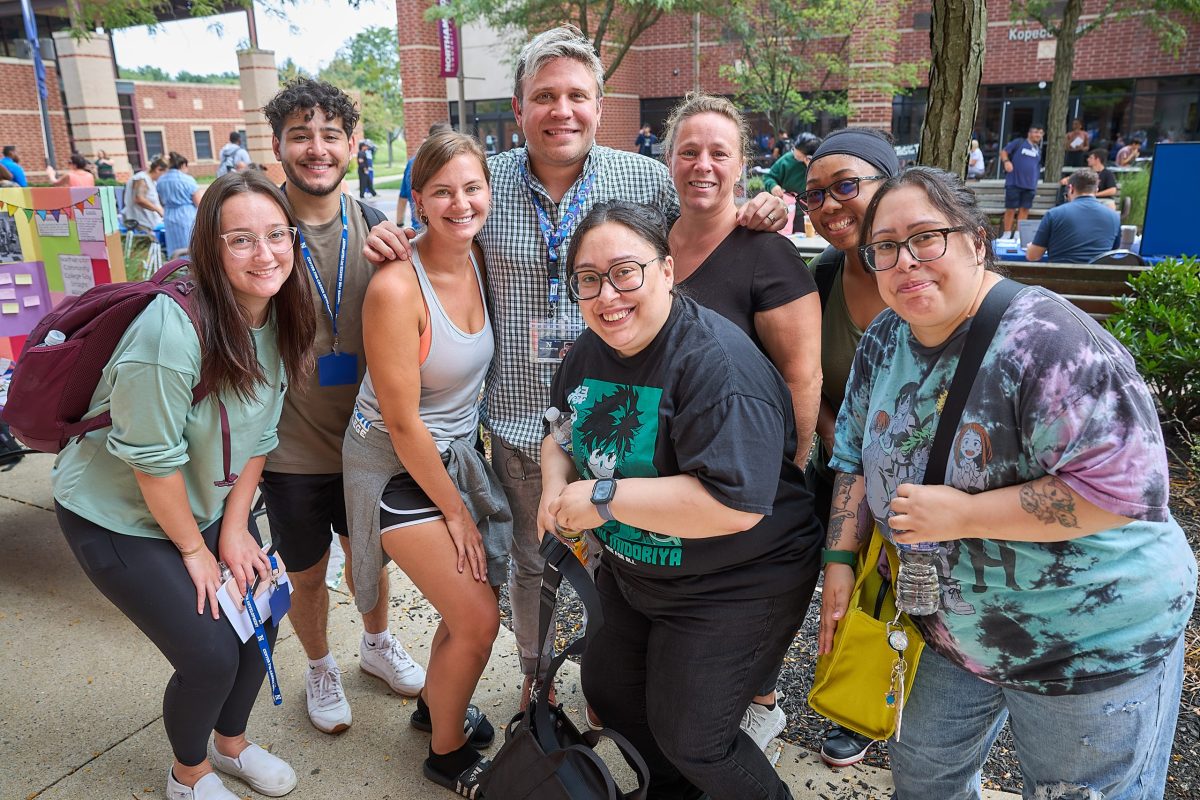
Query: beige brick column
[
  {"x": 91, "y": 96},
  {"x": 260, "y": 82}
]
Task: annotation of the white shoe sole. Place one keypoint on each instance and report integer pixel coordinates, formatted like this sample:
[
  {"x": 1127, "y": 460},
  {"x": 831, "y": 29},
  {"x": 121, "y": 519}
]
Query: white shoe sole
[{"x": 407, "y": 690}]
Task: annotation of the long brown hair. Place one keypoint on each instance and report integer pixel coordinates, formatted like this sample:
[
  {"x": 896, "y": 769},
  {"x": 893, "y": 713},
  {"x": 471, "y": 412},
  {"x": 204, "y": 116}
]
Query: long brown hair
[{"x": 228, "y": 361}]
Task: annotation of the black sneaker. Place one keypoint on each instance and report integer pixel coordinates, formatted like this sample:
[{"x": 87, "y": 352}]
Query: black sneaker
[
  {"x": 843, "y": 747},
  {"x": 465, "y": 784},
  {"x": 480, "y": 732}
]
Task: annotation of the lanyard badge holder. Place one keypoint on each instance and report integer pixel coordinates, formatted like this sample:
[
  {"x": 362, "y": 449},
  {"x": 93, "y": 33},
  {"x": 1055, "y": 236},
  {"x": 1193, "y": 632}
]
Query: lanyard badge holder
[
  {"x": 552, "y": 337},
  {"x": 334, "y": 368},
  {"x": 260, "y": 634}
]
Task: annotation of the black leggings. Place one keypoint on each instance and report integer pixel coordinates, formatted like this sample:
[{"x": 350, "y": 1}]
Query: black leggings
[{"x": 217, "y": 677}]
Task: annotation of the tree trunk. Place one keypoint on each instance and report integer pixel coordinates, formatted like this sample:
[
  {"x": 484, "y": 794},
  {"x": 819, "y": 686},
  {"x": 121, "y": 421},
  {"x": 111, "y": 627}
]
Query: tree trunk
[
  {"x": 1060, "y": 90},
  {"x": 957, "y": 38}
]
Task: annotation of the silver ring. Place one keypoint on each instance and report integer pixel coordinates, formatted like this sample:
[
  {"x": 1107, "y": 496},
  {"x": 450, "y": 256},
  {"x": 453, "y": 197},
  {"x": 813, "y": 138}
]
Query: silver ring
[{"x": 770, "y": 217}]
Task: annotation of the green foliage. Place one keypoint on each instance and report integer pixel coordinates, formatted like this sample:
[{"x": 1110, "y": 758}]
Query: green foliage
[
  {"x": 789, "y": 43},
  {"x": 1158, "y": 325},
  {"x": 289, "y": 70},
  {"x": 370, "y": 63},
  {"x": 613, "y": 26},
  {"x": 754, "y": 185},
  {"x": 148, "y": 73},
  {"x": 1135, "y": 186}
]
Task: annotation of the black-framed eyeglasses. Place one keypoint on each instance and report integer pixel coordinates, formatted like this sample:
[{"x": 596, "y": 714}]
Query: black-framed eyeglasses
[
  {"x": 244, "y": 244},
  {"x": 923, "y": 246},
  {"x": 842, "y": 190},
  {"x": 625, "y": 276}
]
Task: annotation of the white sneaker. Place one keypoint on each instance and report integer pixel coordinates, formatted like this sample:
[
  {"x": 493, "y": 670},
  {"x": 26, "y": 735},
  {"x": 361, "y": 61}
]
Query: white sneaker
[
  {"x": 763, "y": 724},
  {"x": 207, "y": 788},
  {"x": 394, "y": 666},
  {"x": 265, "y": 773},
  {"x": 328, "y": 708}
]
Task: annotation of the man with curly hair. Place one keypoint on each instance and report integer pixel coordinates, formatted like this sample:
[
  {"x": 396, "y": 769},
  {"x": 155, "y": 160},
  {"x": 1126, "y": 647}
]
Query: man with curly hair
[{"x": 312, "y": 123}]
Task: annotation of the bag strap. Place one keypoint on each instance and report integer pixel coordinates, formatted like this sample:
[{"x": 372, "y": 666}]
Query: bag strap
[
  {"x": 632, "y": 757},
  {"x": 560, "y": 562},
  {"x": 979, "y": 338}
]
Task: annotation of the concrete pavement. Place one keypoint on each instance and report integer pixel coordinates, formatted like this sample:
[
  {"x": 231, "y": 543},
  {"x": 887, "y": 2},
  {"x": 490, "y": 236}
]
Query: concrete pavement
[{"x": 82, "y": 689}]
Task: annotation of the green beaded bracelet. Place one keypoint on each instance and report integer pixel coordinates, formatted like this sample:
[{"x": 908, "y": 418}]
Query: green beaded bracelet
[{"x": 848, "y": 557}]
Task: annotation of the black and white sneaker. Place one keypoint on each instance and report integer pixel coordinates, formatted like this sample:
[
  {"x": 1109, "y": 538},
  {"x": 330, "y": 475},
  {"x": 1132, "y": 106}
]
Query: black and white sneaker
[
  {"x": 465, "y": 784},
  {"x": 479, "y": 730},
  {"x": 843, "y": 747}
]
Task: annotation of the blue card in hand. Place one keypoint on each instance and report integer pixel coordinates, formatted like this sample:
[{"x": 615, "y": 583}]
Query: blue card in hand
[{"x": 281, "y": 601}]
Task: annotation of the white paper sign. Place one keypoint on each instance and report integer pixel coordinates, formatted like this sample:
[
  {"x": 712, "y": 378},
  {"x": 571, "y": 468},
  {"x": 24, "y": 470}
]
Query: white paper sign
[
  {"x": 76, "y": 273},
  {"x": 90, "y": 224},
  {"x": 53, "y": 227},
  {"x": 235, "y": 612}
]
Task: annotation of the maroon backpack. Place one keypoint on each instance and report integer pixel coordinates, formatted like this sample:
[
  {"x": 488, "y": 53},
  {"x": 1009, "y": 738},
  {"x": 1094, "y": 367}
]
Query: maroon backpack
[{"x": 52, "y": 385}]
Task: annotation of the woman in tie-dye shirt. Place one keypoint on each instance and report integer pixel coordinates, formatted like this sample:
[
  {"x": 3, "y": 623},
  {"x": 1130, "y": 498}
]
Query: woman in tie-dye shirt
[{"x": 1065, "y": 583}]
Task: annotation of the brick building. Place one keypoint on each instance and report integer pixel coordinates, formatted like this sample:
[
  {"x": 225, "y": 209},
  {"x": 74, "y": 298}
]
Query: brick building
[
  {"x": 1123, "y": 83},
  {"x": 193, "y": 119}
]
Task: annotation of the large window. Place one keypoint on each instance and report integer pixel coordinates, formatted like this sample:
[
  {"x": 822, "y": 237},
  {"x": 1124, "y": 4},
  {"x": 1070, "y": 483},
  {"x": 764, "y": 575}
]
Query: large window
[
  {"x": 203, "y": 141},
  {"x": 155, "y": 146}
]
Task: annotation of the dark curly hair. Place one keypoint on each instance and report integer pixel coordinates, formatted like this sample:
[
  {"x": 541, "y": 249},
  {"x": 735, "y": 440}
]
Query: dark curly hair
[{"x": 306, "y": 93}]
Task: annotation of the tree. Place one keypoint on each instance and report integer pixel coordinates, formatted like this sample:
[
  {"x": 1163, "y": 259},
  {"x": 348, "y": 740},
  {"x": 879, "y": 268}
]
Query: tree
[
  {"x": 613, "y": 26},
  {"x": 955, "y": 72},
  {"x": 183, "y": 76},
  {"x": 1166, "y": 19},
  {"x": 790, "y": 44},
  {"x": 289, "y": 71},
  {"x": 87, "y": 15},
  {"x": 370, "y": 63},
  {"x": 146, "y": 73}
]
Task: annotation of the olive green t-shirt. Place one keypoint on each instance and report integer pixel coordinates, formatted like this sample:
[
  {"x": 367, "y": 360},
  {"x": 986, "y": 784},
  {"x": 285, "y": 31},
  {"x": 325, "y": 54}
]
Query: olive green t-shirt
[{"x": 314, "y": 416}]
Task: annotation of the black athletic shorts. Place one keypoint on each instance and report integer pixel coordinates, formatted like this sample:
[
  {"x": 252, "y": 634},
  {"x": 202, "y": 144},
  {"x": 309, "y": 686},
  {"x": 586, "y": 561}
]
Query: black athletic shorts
[
  {"x": 404, "y": 504},
  {"x": 304, "y": 511}
]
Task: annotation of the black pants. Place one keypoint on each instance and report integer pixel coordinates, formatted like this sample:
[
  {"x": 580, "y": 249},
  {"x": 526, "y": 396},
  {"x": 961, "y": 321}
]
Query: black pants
[
  {"x": 366, "y": 184},
  {"x": 217, "y": 677},
  {"x": 675, "y": 674}
]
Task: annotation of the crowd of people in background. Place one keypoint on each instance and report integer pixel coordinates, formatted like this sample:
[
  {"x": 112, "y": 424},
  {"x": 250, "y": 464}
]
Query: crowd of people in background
[{"x": 740, "y": 424}]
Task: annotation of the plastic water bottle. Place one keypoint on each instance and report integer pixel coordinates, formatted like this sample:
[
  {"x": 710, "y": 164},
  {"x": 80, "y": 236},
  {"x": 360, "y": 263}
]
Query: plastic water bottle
[
  {"x": 53, "y": 337},
  {"x": 918, "y": 591},
  {"x": 560, "y": 428}
]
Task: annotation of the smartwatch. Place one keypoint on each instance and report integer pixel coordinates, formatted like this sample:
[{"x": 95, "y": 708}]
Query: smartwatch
[{"x": 602, "y": 494}]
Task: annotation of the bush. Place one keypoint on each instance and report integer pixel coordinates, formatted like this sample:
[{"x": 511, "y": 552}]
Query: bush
[
  {"x": 1135, "y": 186},
  {"x": 1158, "y": 325},
  {"x": 754, "y": 185}
]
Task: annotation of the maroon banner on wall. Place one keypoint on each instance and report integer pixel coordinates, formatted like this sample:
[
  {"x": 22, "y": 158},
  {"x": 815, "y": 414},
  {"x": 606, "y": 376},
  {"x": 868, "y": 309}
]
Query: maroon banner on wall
[{"x": 448, "y": 44}]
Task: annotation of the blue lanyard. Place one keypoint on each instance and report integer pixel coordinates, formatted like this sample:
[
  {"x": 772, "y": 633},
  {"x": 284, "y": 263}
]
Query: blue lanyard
[
  {"x": 264, "y": 647},
  {"x": 555, "y": 236},
  {"x": 306, "y": 254}
]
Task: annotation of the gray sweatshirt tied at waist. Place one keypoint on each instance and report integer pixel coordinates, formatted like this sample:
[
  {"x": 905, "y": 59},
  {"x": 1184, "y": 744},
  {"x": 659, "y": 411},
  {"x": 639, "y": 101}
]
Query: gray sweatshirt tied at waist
[{"x": 369, "y": 462}]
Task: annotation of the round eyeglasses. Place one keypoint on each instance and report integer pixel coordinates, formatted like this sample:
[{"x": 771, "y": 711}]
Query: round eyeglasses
[
  {"x": 625, "y": 276},
  {"x": 923, "y": 246},
  {"x": 845, "y": 189},
  {"x": 243, "y": 244}
]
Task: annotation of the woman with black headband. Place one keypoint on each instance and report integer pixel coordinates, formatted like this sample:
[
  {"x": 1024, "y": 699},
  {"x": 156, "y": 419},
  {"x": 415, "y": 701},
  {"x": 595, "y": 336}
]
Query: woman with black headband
[{"x": 843, "y": 175}]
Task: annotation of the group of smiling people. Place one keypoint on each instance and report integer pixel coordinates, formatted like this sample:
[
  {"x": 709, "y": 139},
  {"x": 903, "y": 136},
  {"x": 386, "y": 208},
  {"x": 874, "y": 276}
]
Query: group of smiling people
[{"x": 711, "y": 357}]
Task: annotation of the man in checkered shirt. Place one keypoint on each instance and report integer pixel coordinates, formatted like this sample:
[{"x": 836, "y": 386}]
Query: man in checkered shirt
[{"x": 557, "y": 101}]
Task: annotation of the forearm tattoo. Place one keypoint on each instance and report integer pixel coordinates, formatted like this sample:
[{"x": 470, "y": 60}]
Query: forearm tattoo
[
  {"x": 846, "y": 524},
  {"x": 1050, "y": 501}
]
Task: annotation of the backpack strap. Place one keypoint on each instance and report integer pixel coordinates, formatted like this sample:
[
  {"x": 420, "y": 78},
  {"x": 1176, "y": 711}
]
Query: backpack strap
[
  {"x": 371, "y": 214},
  {"x": 825, "y": 270}
]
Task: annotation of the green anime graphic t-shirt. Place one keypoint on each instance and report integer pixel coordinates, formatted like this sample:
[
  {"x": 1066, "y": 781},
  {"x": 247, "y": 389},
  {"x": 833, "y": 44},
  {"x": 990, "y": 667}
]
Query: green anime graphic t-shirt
[{"x": 701, "y": 400}]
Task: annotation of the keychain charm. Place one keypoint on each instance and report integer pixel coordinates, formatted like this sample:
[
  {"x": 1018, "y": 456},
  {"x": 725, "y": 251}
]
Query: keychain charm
[{"x": 897, "y": 639}]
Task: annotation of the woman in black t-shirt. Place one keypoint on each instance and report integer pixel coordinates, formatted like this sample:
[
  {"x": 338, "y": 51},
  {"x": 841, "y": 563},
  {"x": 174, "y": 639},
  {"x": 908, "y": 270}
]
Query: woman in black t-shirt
[{"x": 682, "y": 463}]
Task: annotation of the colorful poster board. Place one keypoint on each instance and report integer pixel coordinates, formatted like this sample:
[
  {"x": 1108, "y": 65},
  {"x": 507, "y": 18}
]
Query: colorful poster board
[{"x": 64, "y": 241}]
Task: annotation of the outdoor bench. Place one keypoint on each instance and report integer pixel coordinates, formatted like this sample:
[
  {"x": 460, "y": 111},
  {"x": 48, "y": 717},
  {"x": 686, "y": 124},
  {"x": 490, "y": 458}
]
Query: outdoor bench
[{"x": 1094, "y": 288}]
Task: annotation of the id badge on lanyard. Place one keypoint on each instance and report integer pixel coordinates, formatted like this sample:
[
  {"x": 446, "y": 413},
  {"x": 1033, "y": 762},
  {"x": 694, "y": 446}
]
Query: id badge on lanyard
[
  {"x": 334, "y": 368},
  {"x": 550, "y": 338}
]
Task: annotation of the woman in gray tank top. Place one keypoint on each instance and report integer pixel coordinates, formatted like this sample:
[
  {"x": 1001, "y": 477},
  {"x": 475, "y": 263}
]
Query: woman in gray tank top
[{"x": 417, "y": 488}]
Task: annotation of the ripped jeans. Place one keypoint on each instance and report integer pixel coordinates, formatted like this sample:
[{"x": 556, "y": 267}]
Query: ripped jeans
[{"x": 1112, "y": 744}]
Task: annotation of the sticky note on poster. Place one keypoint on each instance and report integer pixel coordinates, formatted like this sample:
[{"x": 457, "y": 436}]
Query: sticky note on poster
[
  {"x": 89, "y": 223},
  {"x": 9, "y": 308},
  {"x": 8, "y": 294},
  {"x": 5, "y": 279},
  {"x": 23, "y": 279},
  {"x": 53, "y": 227},
  {"x": 76, "y": 273},
  {"x": 32, "y": 301}
]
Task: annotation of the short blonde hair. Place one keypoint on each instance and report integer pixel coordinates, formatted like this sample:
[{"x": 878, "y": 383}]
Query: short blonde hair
[
  {"x": 439, "y": 149},
  {"x": 701, "y": 103},
  {"x": 565, "y": 41}
]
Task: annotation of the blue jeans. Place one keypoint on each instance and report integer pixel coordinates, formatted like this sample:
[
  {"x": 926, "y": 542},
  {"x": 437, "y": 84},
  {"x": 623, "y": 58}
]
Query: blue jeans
[{"x": 1112, "y": 744}]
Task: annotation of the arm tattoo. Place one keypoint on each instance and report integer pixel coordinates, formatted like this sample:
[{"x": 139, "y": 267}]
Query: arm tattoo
[
  {"x": 1050, "y": 501},
  {"x": 842, "y": 518}
]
